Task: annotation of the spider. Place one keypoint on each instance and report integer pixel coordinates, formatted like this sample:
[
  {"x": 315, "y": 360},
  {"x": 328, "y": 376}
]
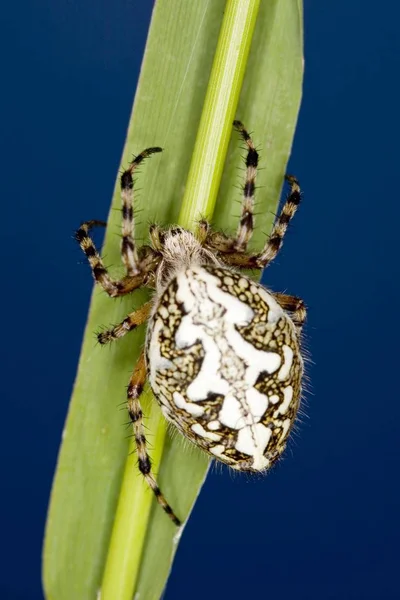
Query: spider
[{"x": 222, "y": 353}]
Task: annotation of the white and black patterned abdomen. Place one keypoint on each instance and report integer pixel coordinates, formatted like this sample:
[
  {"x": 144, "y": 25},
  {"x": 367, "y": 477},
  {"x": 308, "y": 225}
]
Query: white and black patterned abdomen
[{"x": 224, "y": 363}]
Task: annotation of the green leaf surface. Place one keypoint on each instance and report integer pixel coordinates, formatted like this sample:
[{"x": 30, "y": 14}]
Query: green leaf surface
[{"x": 84, "y": 546}]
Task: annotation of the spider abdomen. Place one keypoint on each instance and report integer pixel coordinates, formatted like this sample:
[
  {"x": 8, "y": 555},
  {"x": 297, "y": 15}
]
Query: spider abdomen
[{"x": 224, "y": 363}]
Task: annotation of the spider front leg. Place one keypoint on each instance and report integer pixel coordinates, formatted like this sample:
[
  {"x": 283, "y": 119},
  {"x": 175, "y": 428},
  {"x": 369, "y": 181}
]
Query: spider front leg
[
  {"x": 135, "y": 389},
  {"x": 128, "y": 247},
  {"x": 246, "y": 223},
  {"x": 100, "y": 273},
  {"x": 136, "y": 268},
  {"x": 217, "y": 240},
  {"x": 275, "y": 241}
]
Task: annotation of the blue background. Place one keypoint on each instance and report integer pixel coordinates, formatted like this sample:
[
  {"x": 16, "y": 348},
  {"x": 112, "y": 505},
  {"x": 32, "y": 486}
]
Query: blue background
[{"x": 326, "y": 523}]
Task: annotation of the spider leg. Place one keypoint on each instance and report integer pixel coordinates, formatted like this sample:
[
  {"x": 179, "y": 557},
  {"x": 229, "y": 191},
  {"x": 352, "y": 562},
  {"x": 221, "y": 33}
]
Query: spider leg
[
  {"x": 260, "y": 260},
  {"x": 246, "y": 223},
  {"x": 296, "y": 306},
  {"x": 100, "y": 273},
  {"x": 135, "y": 388},
  {"x": 218, "y": 241},
  {"x": 275, "y": 241},
  {"x": 128, "y": 248},
  {"x": 215, "y": 240},
  {"x": 133, "y": 320}
]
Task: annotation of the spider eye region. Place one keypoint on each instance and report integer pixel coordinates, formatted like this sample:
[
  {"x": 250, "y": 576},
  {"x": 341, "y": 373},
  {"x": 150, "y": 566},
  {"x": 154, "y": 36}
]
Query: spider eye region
[{"x": 224, "y": 363}]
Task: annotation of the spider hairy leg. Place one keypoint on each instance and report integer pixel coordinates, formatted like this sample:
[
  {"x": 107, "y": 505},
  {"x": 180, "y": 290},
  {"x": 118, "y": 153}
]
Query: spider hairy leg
[
  {"x": 133, "y": 320},
  {"x": 135, "y": 389},
  {"x": 296, "y": 306},
  {"x": 128, "y": 247},
  {"x": 224, "y": 245},
  {"x": 246, "y": 223},
  {"x": 275, "y": 241},
  {"x": 99, "y": 271},
  {"x": 236, "y": 245},
  {"x": 221, "y": 243}
]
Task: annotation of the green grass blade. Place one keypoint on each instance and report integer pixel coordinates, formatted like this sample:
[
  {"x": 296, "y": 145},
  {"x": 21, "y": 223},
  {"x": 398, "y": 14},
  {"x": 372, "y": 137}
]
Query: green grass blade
[
  {"x": 128, "y": 537},
  {"x": 92, "y": 460}
]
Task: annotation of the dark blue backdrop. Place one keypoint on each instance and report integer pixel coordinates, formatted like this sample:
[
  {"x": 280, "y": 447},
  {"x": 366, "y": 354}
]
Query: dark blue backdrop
[{"x": 330, "y": 515}]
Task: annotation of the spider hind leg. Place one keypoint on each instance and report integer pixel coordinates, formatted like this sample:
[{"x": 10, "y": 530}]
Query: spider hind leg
[
  {"x": 135, "y": 389},
  {"x": 295, "y": 306}
]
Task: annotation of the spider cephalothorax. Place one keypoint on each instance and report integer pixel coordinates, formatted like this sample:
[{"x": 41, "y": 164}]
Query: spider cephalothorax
[{"x": 222, "y": 353}]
